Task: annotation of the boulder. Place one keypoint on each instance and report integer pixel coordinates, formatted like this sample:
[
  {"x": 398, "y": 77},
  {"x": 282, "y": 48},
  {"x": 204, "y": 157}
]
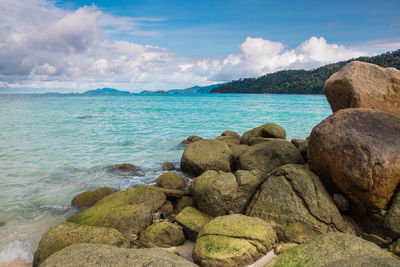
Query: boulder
[
  {"x": 392, "y": 218},
  {"x": 283, "y": 247},
  {"x": 170, "y": 193},
  {"x": 358, "y": 151},
  {"x": 89, "y": 198},
  {"x": 263, "y": 133},
  {"x": 395, "y": 247},
  {"x": 341, "y": 202},
  {"x": 171, "y": 180},
  {"x": 191, "y": 139},
  {"x": 204, "y": 155},
  {"x": 163, "y": 234},
  {"x": 89, "y": 255},
  {"x": 124, "y": 167},
  {"x": 184, "y": 202},
  {"x": 232, "y": 134},
  {"x": 220, "y": 193},
  {"x": 233, "y": 240},
  {"x": 129, "y": 211},
  {"x": 192, "y": 221},
  {"x": 295, "y": 202},
  {"x": 364, "y": 85},
  {"x": 302, "y": 146},
  {"x": 335, "y": 249},
  {"x": 269, "y": 155},
  {"x": 65, "y": 234},
  {"x": 228, "y": 140},
  {"x": 166, "y": 209},
  {"x": 168, "y": 166}
]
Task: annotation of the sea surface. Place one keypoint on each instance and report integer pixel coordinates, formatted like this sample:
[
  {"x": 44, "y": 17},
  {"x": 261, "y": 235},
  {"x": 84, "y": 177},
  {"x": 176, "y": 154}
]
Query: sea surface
[{"x": 53, "y": 147}]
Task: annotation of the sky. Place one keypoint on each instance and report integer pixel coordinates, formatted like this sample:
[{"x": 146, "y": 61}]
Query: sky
[{"x": 73, "y": 46}]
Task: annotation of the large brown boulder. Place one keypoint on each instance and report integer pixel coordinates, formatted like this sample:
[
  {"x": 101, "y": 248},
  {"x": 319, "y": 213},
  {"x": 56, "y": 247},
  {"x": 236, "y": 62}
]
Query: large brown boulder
[
  {"x": 267, "y": 156},
  {"x": 204, "y": 155},
  {"x": 220, "y": 193},
  {"x": 358, "y": 150},
  {"x": 171, "y": 180},
  {"x": 191, "y": 139},
  {"x": 263, "y": 133},
  {"x": 163, "y": 234},
  {"x": 295, "y": 202},
  {"x": 89, "y": 255},
  {"x": 364, "y": 85},
  {"x": 89, "y": 198}
]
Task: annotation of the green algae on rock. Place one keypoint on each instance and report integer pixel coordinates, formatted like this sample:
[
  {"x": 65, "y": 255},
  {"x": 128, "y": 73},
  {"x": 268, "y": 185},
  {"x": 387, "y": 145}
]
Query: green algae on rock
[
  {"x": 89, "y": 198},
  {"x": 170, "y": 180},
  {"x": 335, "y": 249},
  {"x": 163, "y": 234},
  {"x": 192, "y": 221},
  {"x": 65, "y": 234},
  {"x": 184, "y": 202},
  {"x": 89, "y": 255}
]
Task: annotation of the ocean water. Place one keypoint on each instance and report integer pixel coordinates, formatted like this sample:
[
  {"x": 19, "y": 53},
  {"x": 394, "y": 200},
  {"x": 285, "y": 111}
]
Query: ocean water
[{"x": 53, "y": 147}]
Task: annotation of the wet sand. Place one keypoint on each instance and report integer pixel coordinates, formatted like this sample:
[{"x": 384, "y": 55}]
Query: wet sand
[{"x": 15, "y": 263}]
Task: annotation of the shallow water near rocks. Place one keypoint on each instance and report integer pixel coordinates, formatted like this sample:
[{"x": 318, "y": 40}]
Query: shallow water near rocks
[{"x": 53, "y": 147}]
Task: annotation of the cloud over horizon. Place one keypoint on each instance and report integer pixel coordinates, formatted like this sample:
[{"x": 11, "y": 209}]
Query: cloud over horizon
[{"x": 42, "y": 46}]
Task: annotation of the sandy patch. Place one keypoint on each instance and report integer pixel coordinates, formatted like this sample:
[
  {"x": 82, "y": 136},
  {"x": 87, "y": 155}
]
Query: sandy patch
[{"x": 15, "y": 263}]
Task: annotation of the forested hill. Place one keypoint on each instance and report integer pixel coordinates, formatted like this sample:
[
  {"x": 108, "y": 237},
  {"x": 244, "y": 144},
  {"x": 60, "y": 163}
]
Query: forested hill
[{"x": 300, "y": 81}]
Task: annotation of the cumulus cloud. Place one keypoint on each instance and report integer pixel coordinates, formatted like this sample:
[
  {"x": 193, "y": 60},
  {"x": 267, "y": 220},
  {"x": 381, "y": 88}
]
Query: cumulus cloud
[{"x": 43, "y": 46}]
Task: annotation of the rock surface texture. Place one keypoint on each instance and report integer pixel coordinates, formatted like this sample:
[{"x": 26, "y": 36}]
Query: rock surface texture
[
  {"x": 364, "y": 85},
  {"x": 89, "y": 255},
  {"x": 295, "y": 202},
  {"x": 171, "y": 180},
  {"x": 192, "y": 221},
  {"x": 89, "y": 198},
  {"x": 335, "y": 249},
  {"x": 263, "y": 133},
  {"x": 233, "y": 240},
  {"x": 163, "y": 234},
  {"x": 204, "y": 155},
  {"x": 358, "y": 150},
  {"x": 219, "y": 193}
]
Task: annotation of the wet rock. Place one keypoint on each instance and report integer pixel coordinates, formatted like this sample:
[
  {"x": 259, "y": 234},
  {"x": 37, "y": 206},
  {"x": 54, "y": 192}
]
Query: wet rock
[
  {"x": 263, "y": 133},
  {"x": 206, "y": 155},
  {"x": 171, "y": 180},
  {"x": 192, "y": 221},
  {"x": 233, "y": 240},
  {"x": 163, "y": 234},
  {"x": 124, "y": 167},
  {"x": 220, "y": 193},
  {"x": 364, "y": 85},
  {"x": 191, "y": 139},
  {"x": 89, "y": 255},
  {"x": 89, "y": 198},
  {"x": 341, "y": 202},
  {"x": 358, "y": 151},
  {"x": 295, "y": 202},
  {"x": 184, "y": 202},
  {"x": 168, "y": 166},
  {"x": 65, "y": 234},
  {"x": 267, "y": 156},
  {"x": 335, "y": 249},
  {"x": 302, "y": 146}
]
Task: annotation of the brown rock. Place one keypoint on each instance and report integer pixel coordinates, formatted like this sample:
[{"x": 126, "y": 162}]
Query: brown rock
[
  {"x": 124, "y": 167},
  {"x": 358, "y": 150},
  {"x": 191, "y": 139},
  {"x": 263, "y": 133},
  {"x": 168, "y": 166},
  {"x": 232, "y": 134},
  {"x": 171, "y": 180},
  {"x": 364, "y": 85},
  {"x": 89, "y": 198}
]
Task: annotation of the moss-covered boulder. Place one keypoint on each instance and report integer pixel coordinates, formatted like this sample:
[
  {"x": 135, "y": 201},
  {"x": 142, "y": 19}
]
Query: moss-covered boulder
[
  {"x": 232, "y": 134},
  {"x": 65, "y": 234},
  {"x": 395, "y": 247},
  {"x": 129, "y": 211},
  {"x": 184, "y": 202},
  {"x": 269, "y": 155},
  {"x": 283, "y": 247},
  {"x": 163, "y": 234},
  {"x": 170, "y": 193},
  {"x": 204, "y": 155},
  {"x": 335, "y": 249},
  {"x": 191, "y": 139},
  {"x": 192, "y": 221},
  {"x": 89, "y": 198},
  {"x": 263, "y": 133},
  {"x": 295, "y": 202},
  {"x": 171, "y": 180},
  {"x": 220, "y": 193},
  {"x": 233, "y": 240},
  {"x": 166, "y": 209},
  {"x": 89, "y": 255}
]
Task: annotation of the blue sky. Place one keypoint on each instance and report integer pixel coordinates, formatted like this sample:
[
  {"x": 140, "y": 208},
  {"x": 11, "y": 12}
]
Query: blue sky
[{"x": 49, "y": 45}]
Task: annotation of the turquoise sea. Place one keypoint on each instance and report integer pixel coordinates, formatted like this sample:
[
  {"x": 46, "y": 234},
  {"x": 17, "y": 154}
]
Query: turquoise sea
[{"x": 53, "y": 147}]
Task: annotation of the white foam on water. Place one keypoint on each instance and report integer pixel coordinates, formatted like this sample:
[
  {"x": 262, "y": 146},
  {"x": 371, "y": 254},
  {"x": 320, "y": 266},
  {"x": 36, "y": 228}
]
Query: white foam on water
[{"x": 16, "y": 250}]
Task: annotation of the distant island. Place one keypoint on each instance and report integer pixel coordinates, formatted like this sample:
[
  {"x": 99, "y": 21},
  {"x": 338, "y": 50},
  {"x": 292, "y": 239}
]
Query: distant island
[
  {"x": 191, "y": 90},
  {"x": 107, "y": 91},
  {"x": 300, "y": 81}
]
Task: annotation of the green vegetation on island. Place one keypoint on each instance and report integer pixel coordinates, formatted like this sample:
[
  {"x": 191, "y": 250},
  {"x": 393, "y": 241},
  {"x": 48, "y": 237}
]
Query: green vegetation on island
[{"x": 300, "y": 81}]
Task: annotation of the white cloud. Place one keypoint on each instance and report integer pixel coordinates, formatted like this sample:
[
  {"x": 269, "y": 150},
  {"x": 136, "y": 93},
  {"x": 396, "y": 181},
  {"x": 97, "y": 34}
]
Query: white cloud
[{"x": 43, "y": 46}]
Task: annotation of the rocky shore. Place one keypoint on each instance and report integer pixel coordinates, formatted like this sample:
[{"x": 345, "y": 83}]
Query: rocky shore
[{"x": 258, "y": 199}]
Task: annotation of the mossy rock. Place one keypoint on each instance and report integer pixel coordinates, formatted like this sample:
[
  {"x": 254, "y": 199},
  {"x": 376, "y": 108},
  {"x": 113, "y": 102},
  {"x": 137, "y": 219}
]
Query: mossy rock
[
  {"x": 119, "y": 209},
  {"x": 124, "y": 167},
  {"x": 89, "y": 198},
  {"x": 168, "y": 166},
  {"x": 232, "y": 134},
  {"x": 192, "y": 221},
  {"x": 170, "y": 180},
  {"x": 166, "y": 209},
  {"x": 163, "y": 234},
  {"x": 89, "y": 255},
  {"x": 263, "y": 133},
  {"x": 283, "y": 247},
  {"x": 170, "y": 193},
  {"x": 184, "y": 202},
  {"x": 395, "y": 247},
  {"x": 228, "y": 140},
  {"x": 233, "y": 240},
  {"x": 65, "y": 234},
  {"x": 334, "y": 249},
  {"x": 191, "y": 139}
]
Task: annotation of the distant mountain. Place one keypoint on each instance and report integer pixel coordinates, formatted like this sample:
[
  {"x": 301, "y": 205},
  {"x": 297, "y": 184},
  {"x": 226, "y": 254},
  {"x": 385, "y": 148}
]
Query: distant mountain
[
  {"x": 195, "y": 89},
  {"x": 106, "y": 91},
  {"x": 300, "y": 81}
]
